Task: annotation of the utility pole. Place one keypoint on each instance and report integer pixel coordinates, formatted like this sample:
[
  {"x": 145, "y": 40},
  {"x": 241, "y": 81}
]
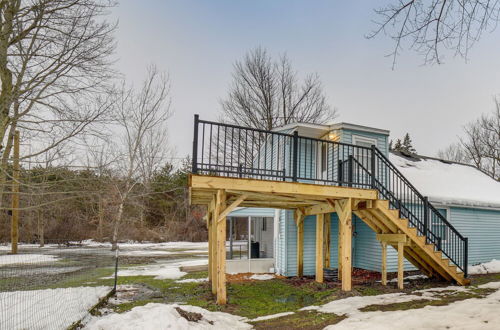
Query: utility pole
[{"x": 15, "y": 196}]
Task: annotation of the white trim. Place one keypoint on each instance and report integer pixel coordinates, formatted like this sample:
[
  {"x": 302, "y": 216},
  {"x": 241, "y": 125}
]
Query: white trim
[
  {"x": 442, "y": 205},
  {"x": 359, "y": 128},
  {"x": 364, "y": 139}
]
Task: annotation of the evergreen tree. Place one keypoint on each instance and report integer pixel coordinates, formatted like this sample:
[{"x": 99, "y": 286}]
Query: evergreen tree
[
  {"x": 397, "y": 145},
  {"x": 407, "y": 145}
]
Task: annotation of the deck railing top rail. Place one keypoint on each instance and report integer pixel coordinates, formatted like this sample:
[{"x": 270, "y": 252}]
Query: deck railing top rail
[{"x": 234, "y": 151}]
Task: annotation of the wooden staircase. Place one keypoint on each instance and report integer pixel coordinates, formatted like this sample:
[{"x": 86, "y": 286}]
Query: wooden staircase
[{"x": 426, "y": 257}]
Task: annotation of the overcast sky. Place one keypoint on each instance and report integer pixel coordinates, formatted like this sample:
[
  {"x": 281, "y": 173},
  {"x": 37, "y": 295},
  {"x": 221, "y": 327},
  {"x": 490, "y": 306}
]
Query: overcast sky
[{"x": 197, "y": 42}]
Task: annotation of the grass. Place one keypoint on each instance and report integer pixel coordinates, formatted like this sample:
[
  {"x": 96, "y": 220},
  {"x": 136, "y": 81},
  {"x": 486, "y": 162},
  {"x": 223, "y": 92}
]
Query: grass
[{"x": 310, "y": 320}]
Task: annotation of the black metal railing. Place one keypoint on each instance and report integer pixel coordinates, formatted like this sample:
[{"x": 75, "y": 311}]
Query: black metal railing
[{"x": 235, "y": 151}]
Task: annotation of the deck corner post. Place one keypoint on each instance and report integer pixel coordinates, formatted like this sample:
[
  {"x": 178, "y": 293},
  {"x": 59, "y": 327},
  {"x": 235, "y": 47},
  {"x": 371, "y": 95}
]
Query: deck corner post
[
  {"x": 350, "y": 170},
  {"x": 194, "y": 165},
  {"x": 221, "y": 247},
  {"x": 295, "y": 155},
  {"x": 344, "y": 212}
]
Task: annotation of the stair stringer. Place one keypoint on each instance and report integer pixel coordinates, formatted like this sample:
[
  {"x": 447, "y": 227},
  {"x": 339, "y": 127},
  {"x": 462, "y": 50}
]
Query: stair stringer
[{"x": 383, "y": 220}]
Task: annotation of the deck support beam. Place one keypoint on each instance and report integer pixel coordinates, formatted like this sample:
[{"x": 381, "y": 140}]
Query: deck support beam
[
  {"x": 344, "y": 212},
  {"x": 328, "y": 228},
  {"x": 384, "y": 262},
  {"x": 299, "y": 220},
  {"x": 220, "y": 235},
  {"x": 400, "y": 264},
  {"x": 320, "y": 248}
]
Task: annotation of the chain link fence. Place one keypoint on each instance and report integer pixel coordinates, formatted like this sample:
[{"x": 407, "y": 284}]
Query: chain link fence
[{"x": 55, "y": 286}]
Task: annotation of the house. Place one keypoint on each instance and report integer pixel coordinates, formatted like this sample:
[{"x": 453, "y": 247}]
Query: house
[{"x": 305, "y": 196}]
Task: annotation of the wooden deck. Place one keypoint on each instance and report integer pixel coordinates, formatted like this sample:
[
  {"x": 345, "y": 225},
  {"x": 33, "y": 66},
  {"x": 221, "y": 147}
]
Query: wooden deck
[{"x": 222, "y": 195}]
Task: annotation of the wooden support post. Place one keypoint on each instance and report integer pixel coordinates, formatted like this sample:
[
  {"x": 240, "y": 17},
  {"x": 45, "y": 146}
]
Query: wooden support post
[
  {"x": 213, "y": 224},
  {"x": 384, "y": 263},
  {"x": 299, "y": 220},
  {"x": 15, "y": 196},
  {"x": 327, "y": 239},
  {"x": 209, "y": 226},
  {"x": 400, "y": 265},
  {"x": 320, "y": 259},
  {"x": 344, "y": 211},
  {"x": 221, "y": 247},
  {"x": 339, "y": 247}
]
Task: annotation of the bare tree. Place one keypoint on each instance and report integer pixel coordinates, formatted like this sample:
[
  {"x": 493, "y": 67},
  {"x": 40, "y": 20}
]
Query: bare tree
[
  {"x": 54, "y": 66},
  {"x": 430, "y": 26},
  {"x": 266, "y": 93},
  {"x": 454, "y": 152},
  {"x": 480, "y": 146},
  {"x": 142, "y": 117}
]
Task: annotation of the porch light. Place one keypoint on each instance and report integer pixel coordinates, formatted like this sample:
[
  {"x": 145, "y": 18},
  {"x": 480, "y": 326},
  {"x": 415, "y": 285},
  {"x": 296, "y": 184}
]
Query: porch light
[{"x": 332, "y": 136}]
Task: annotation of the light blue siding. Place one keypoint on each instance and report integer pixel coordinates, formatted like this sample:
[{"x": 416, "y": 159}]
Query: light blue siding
[
  {"x": 382, "y": 140},
  {"x": 366, "y": 249},
  {"x": 482, "y": 227}
]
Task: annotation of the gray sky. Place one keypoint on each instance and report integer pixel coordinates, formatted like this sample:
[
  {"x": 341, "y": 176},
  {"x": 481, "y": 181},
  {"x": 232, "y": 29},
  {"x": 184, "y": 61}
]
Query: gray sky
[{"x": 197, "y": 42}]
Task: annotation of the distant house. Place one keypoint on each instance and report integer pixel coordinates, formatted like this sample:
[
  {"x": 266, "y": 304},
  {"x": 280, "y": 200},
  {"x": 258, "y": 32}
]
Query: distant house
[{"x": 466, "y": 197}]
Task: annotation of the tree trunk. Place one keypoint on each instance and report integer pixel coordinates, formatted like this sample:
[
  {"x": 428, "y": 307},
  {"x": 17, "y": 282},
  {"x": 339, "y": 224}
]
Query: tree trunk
[
  {"x": 101, "y": 221},
  {"x": 116, "y": 226},
  {"x": 41, "y": 229}
]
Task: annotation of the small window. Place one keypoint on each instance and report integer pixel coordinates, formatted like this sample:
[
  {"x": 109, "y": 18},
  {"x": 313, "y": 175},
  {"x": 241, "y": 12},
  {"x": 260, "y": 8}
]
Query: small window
[{"x": 264, "y": 224}]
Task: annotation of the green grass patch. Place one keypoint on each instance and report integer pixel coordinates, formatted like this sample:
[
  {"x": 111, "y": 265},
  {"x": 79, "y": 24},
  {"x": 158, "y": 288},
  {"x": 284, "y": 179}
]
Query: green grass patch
[
  {"x": 445, "y": 298},
  {"x": 310, "y": 320}
]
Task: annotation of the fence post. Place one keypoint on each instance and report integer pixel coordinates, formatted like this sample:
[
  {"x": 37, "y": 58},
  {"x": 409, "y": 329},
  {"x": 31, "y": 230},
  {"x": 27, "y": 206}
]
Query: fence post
[
  {"x": 295, "y": 155},
  {"x": 426, "y": 218},
  {"x": 116, "y": 271},
  {"x": 373, "y": 166},
  {"x": 350, "y": 170},
  {"x": 466, "y": 256},
  {"x": 194, "y": 166}
]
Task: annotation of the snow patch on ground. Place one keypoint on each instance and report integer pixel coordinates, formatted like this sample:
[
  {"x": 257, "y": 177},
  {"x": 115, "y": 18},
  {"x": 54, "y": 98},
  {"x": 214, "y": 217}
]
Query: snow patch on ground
[
  {"x": 193, "y": 280},
  {"x": 17, "y": 259},
  {"x": 408, "y": 278},
  {"x": 165, "y": 316},
  {"x": 351, "y": 306},
  {"x": 270, "y": 317},
  {"x": 161, "y": 271},
  {"x": 261, "y": 277},
  {"x": 142, "y": 253},
  {"x": 53, "y": 308},
  {"x": 486, "y": 268},
  {"x": 475, "y": 313}
]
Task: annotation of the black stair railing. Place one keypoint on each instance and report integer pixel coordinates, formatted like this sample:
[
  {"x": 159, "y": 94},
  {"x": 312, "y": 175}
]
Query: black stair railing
[{"x": 242, "y": 152}]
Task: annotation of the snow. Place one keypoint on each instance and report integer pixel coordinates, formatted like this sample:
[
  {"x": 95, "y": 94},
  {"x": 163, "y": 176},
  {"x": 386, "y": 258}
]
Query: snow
[
  {"x": 161, "y": 271},
  {"x": 67, "y": 305},
  {"x": 192, "y": 280},
  {"x": 141, "y": 253},
  {"x": 272, "y": 316},
  {"x": 16, "y": 259},
  {"x": 165, "y": 316},
  {"x": 475, "y": 313},
  {"x": 409, "y": 278},
  {"x": 489, "y": 267},
  {"x": 351, "y": 306},
  {"x": 449, "y": 183},
  {"x": 262, "y": 277}
]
